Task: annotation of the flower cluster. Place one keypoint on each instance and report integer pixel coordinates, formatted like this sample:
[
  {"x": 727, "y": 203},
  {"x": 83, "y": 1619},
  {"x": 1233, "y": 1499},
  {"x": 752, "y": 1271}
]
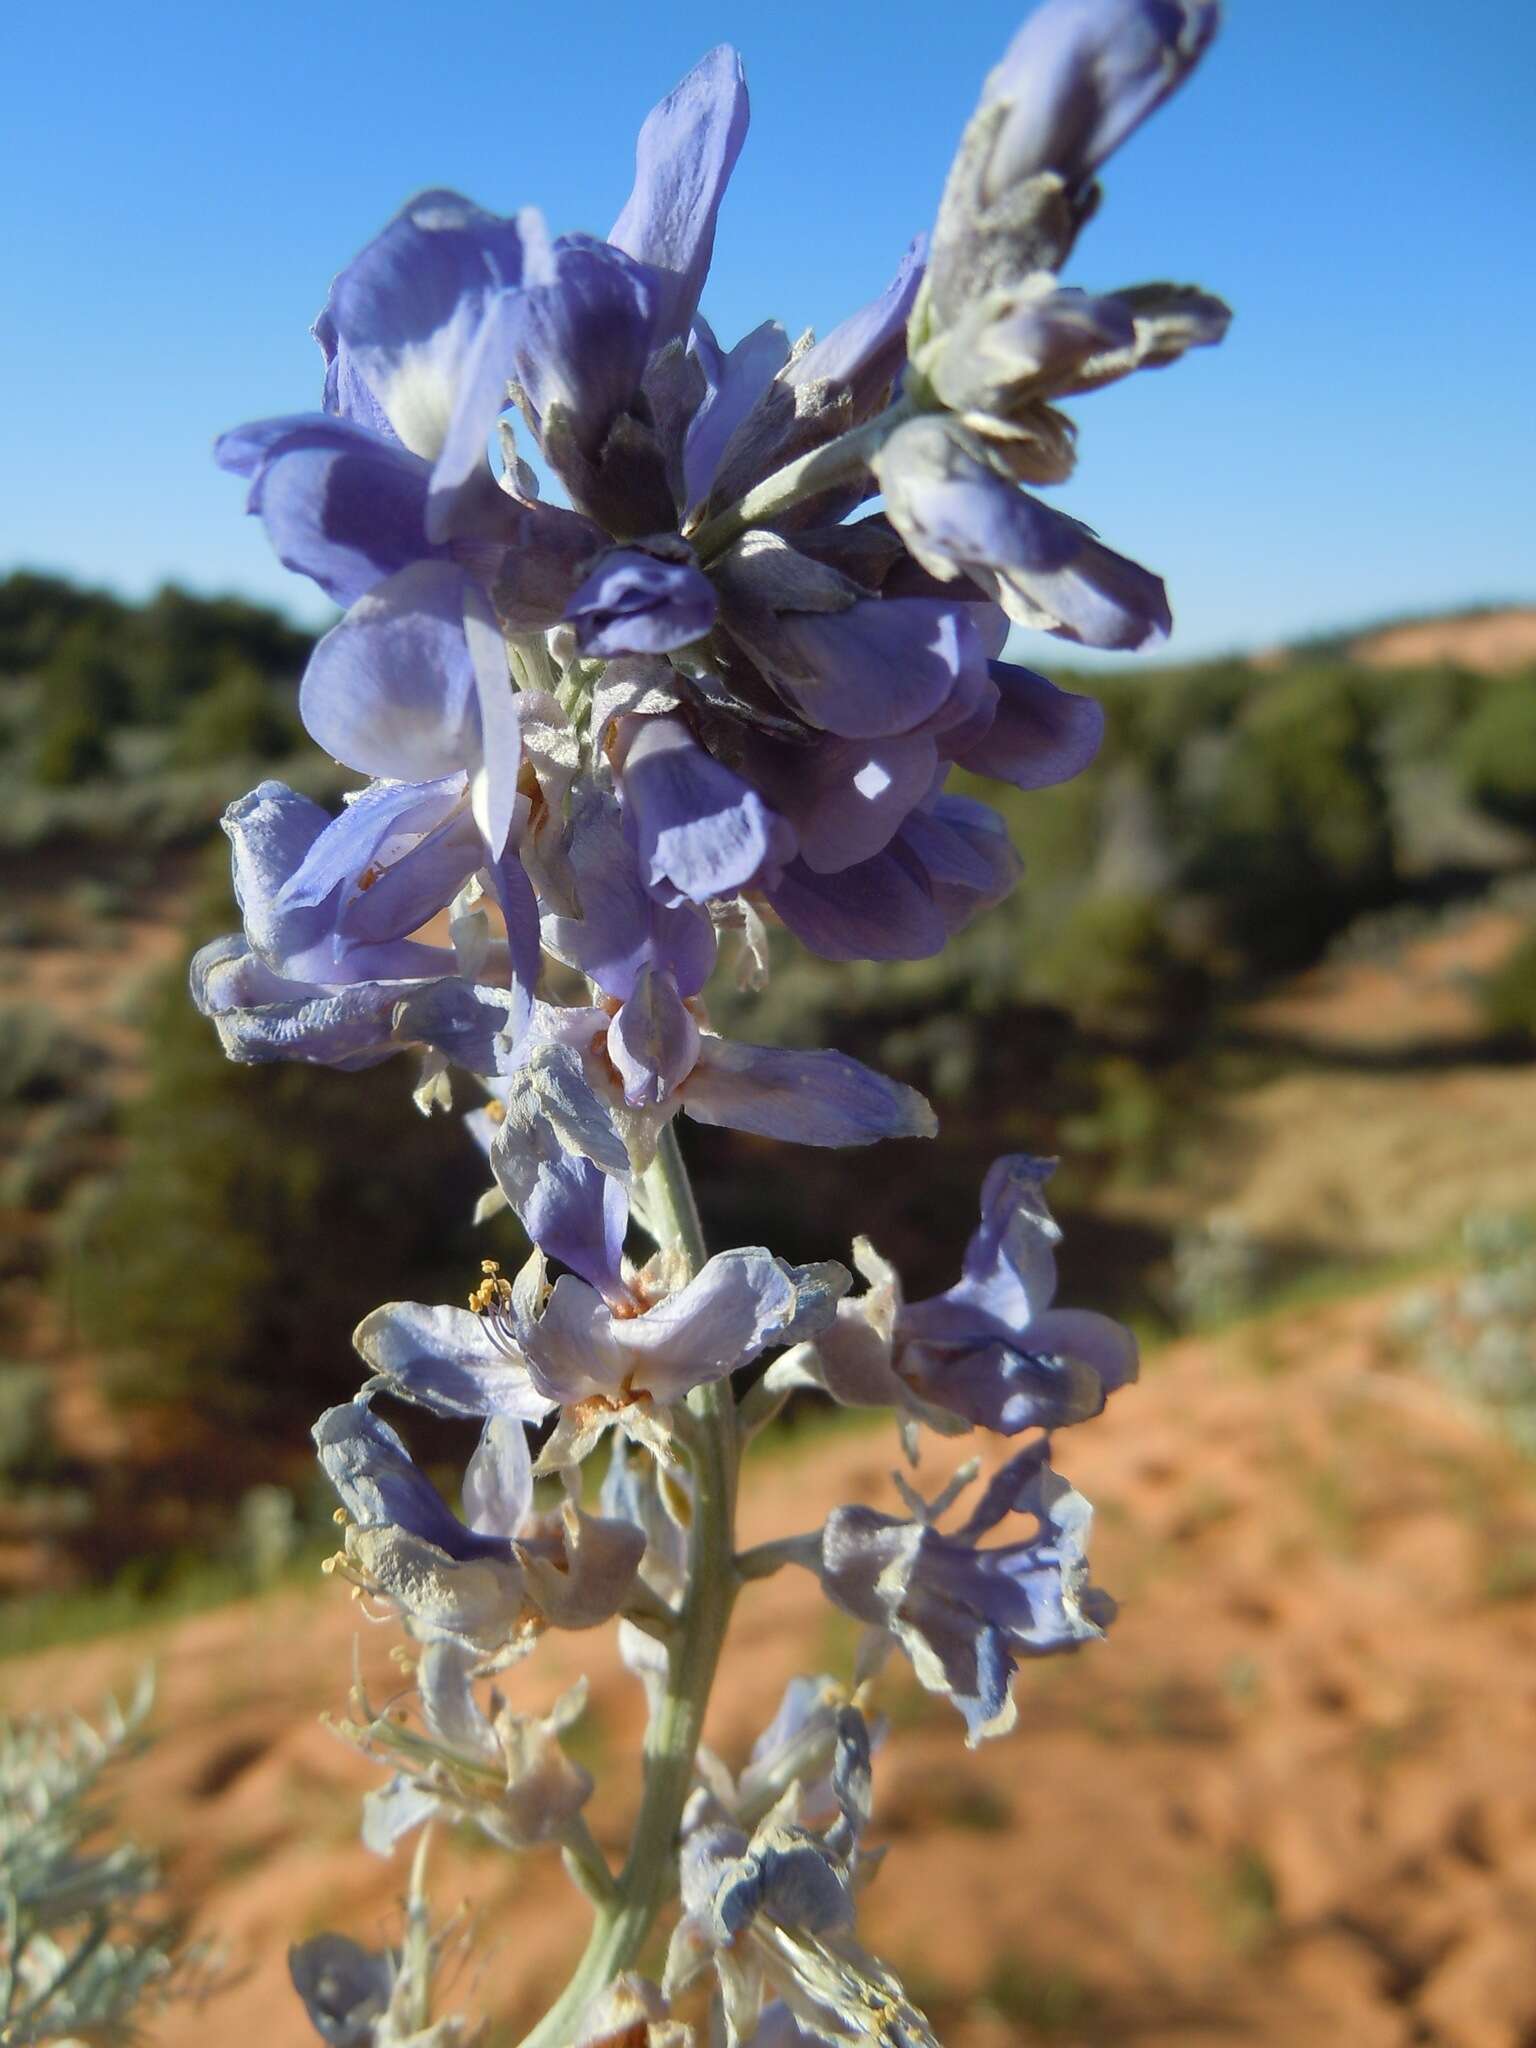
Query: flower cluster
[{"x": 627, "y": 669}]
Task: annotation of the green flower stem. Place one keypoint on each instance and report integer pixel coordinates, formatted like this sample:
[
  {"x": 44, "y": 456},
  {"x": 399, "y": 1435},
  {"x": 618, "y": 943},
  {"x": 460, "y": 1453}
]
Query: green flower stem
[
  {"x": 806, "y": 477},
  {"x": 764, "y": 1559},
  {"x": 622, "y": 1924}
]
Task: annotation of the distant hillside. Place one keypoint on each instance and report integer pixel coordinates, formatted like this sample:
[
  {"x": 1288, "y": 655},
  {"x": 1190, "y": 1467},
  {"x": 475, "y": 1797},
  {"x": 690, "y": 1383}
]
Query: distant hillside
[
  {"x": 1492, "y": 642},
  {"x": 1483, "y": 639}
]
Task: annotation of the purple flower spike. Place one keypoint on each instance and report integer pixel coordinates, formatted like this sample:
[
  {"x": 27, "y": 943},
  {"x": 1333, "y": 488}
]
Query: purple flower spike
[{"x": 635, "y": 603}]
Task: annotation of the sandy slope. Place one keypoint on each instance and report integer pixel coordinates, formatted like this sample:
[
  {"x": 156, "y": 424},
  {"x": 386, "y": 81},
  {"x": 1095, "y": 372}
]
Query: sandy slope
[{"x": 1292, "y": 1799}]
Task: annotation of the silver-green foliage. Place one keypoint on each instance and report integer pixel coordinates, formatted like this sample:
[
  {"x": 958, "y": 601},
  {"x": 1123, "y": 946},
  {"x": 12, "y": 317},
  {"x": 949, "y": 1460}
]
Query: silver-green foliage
[
  {"x": 1478, "y": 1335},
  {"x": 81, "y": 1946}
]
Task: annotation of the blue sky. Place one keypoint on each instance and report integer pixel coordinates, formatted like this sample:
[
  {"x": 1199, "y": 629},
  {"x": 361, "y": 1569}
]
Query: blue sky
[{"x": 1358, "y": 179}]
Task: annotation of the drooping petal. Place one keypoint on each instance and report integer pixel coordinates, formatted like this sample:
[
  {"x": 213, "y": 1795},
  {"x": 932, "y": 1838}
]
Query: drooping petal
[
  {"x": 685, "y": 154},
  {"x": 807, "y": 1098},
  {"x": 960, "y": 518},
  {"x": 340, "y": 505},
  {"x": 1040, "y": 736},
  {"x": 882, "y": 909},
  {"x": 380, "y": 1487},
  {"x": 498, "y": 1481}
]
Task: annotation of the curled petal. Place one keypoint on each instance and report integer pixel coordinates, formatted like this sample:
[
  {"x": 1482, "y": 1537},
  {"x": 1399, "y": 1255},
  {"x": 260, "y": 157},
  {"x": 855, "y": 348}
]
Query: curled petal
[
  {"x": 653, "y": 1041},
  {"x": 636, "y": 603},
  {"x": 340, "y": 505},
  {"x": 346, "y": 1989},
  {"x": 1040, "y": 735},
  {"x": 962, "y": 519}
]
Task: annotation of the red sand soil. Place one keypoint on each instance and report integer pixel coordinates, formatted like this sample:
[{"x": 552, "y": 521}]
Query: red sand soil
[{"x": 1291, "y": 1800}]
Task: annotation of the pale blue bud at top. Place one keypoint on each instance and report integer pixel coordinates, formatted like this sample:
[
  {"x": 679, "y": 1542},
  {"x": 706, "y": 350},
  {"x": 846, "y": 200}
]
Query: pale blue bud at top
[{"x": 1081, "y": 75}]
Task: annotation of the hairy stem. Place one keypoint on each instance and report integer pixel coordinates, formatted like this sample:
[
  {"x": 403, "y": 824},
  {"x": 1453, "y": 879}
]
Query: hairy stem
[
  {"x": 642, "y": 1887},
  {"x": 837, "y": 462}
]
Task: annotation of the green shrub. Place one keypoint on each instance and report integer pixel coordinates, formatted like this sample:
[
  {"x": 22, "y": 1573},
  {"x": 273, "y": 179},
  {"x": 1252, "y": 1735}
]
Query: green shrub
[
  {"x": 1112, "y": 965},
  {"x": 1508, "y": 996},
  {"x": 26, "y": 1422},
  {"x": 259, "y": 1213},
  {"x": 243, "y": 717},
  {"x": 39, "y": 1058},
  {"x": 1496, "y": 753},
  {"x": 1293, "y": 836}
]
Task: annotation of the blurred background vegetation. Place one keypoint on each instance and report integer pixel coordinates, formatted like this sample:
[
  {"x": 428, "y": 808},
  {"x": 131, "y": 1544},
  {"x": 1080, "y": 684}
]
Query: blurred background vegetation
[{"x": 188, "y": 1244}]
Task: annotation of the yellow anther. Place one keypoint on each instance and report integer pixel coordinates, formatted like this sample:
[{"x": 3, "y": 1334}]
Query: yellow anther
[
  {"x": 339, "y": 1517},
  {"x": 496, "y": 1112}
]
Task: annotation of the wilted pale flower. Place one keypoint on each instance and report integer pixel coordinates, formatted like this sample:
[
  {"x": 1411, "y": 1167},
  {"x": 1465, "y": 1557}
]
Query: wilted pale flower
[
  {"x": 963, "y": 1613},
  {"x": 991, "y": 1351}
]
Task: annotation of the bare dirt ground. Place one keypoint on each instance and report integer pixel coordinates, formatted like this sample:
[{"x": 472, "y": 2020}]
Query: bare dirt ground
[
  {"x": 1420, "y": 993},
  {"x": 1291, "y": 1800}
]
